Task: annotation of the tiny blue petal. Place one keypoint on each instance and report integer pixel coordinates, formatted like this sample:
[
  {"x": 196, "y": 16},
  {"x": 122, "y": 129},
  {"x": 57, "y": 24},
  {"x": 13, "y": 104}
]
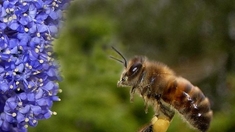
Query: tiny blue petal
[
  {"x": 53, "y": 28},
  {"x": 30, "y": 97},
  {"x": 14, "y": 25},
  {"x": 25, "y": 109},
  {"x": 20, "y": 67},
  {"x": 33, "y": 122},
  {"x": 14, "y": 50},
  {"x": 20, "y": 117},
  {"x": 39, "y": 94},
  {"x": 1, "y": 69},
  {"x": 9, "y": 118},
  {"x": 13, "y": 43},
  {"x": 1, "y": 122},
  {"x": 2, "y": 26},
  {"x": 33, "y": 28},
  {"x": 12, "y": 105},
  {"x": 48, "y": 86},
  {"x": 42, "y": 16},
  {"x": 22, "y": 96},
  {"x": 53, "y": 15},
  {"x": 47, "y": 115},
  {"x": 51, "y": 72},
  {"x": 5, "y": 126},
  {"x": 3, "y": 86},
  {"x": 55, "y": 98},
  {"x": 36, "y": 109},
  {"x": 41, "y": 28},
  {"x": 5, "y": 56}
]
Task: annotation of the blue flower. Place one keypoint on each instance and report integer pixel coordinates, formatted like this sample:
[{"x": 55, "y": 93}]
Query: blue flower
[{"x": 28, "y": 73}]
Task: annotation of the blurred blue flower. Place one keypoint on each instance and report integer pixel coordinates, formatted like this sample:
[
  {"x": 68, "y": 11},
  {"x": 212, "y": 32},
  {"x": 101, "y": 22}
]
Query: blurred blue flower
[{"x": 28, "y": 72}]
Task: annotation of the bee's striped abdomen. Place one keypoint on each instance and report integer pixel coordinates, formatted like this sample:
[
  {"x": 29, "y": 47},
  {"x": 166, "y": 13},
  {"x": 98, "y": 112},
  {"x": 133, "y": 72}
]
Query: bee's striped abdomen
[{"x": 189, "y": 101}]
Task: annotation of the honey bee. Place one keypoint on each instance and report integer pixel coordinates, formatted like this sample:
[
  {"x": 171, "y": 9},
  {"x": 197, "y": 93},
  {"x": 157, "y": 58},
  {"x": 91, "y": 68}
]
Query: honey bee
[{"x": 168, "y": 93}]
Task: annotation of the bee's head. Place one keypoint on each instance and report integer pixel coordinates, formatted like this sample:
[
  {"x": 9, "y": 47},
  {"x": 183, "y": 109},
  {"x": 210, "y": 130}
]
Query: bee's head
[
  {"x": 130, "y": 75},
  {"x": 132, "y": 70}
]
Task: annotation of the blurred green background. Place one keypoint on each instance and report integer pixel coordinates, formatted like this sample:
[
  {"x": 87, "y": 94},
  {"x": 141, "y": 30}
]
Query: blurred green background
[{"x": 194, "y": 38}]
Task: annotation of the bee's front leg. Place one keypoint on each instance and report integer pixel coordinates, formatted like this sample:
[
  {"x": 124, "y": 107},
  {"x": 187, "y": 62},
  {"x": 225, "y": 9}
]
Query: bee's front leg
[{"x": 132, "y": 92}]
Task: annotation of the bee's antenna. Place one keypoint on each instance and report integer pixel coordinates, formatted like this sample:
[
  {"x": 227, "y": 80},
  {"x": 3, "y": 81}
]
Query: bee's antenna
[{"x": 124, "y": 59}]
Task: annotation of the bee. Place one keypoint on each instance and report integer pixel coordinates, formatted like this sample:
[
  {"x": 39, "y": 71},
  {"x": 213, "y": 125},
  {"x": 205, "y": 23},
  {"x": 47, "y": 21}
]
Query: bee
[{"x": 168, "y": 93}]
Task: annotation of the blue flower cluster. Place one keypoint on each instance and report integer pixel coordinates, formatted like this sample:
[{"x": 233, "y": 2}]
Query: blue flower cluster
[{"x": 28, "y": 73}]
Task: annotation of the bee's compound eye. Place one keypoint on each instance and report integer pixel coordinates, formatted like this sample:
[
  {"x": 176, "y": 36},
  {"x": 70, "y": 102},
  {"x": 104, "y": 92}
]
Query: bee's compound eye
[{"x": 135, "y": 68}]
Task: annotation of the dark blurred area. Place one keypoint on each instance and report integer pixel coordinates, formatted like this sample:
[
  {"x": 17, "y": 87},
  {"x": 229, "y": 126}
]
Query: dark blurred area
[{"x": 195, "y": 38}]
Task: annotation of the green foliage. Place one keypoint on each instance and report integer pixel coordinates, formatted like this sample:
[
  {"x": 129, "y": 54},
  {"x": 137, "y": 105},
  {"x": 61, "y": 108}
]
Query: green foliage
[{"x": 195, "y": 38}]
